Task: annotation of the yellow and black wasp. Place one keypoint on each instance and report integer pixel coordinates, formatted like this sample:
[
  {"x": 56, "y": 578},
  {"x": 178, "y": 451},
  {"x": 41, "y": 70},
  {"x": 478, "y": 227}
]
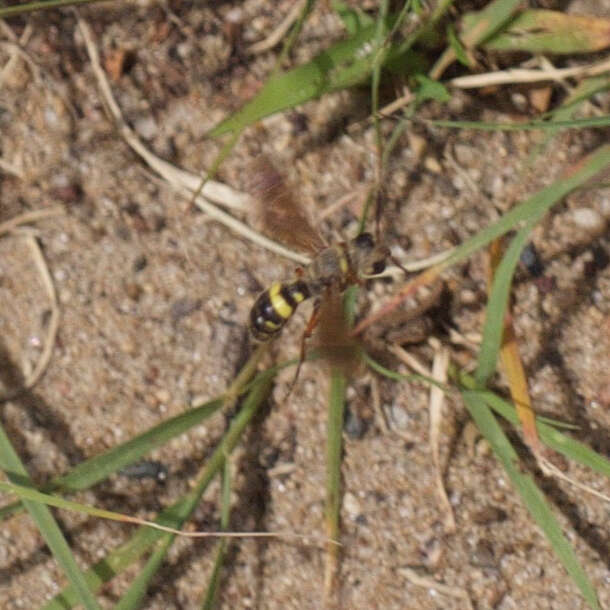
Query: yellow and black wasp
[{"x": 332, "y": 268}]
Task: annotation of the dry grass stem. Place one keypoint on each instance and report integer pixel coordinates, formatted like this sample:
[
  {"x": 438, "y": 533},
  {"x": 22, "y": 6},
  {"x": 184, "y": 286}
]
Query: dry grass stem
[
  {"x": 32, "y": 377},
  {"x": 280, "y": 31},
  {"x": 8, "y": 167},
  {"x": 182, "y": 181},
  {"x": 409, "y": 360},
  {"x": 520, "y": 75},
  {"x": 29, "y": 217},
  {"x": 422, "y": 581},
  {"x": 435, "y": 407},
  {"x": 551, "y": 470},
  {"x": 376, "y": 400}
]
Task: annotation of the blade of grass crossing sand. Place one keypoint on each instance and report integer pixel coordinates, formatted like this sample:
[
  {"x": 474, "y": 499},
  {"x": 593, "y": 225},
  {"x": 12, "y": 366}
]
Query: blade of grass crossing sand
[
  {"x": 531, "y": 495},
  {"x": 47, "y": 526},
  {"x": 95, "y": 469},
  {"x": 295, "y": 31},
  {"x": 498, "y": 301},
  {"x": 583, "y": 92},
  {"x": 334, "y": 446},
  {"x": 490, "y": 429},
  {"x": 488, "y": 426},
  {"x": 597, "y": 121},
  {"x": 29, "y": 7},
  {"x": 535, "y": 205},
  {"x": 511, "y": 363},
  {"x": 215, "y": 463},
  {"x": 544, "y": 32},
  {"x": 529, "y": 212},
  {"x": 173, "y": 516},
  {"x": 380, "y": 33},
  {"x": 542, "y": 200},
  {"x": 481, "y": 26},
  {"x": 550, "y": 436},
  {"x": 329, "y": 71},
  {"x": 225, "y": 513},
  {"x": 137, "y": 590}
]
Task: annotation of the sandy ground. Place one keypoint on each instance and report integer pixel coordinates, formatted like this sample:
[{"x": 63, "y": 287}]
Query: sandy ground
[{"x": 154, "y": 298}]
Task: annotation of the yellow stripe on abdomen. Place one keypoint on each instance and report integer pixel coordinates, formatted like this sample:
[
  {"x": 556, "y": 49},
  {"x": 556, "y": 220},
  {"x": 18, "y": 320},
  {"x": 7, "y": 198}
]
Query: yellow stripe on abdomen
[{"x": 278, "y": 302}]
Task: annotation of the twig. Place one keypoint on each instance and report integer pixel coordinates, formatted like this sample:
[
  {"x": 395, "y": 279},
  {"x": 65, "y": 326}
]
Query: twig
[
  {"x": 29, "y": 217},
  {"x": 422, "y": 581},
  {"x": 9, "y": 168},
  {"x": 279, "y": 32},
  {"x": 550, "y": 469},
  {"x": 15, "y": 49},
  {"x": 376, "y": 400},
  {"x": 45, "y": 357},
  {"x": 411, "y": 361},
  {"x": 397, "y": 104},
  {"x": 519, "y": 75},
  {"x": 32, "y": 377},
  {"x": 180, "y": 180},
  {"x": 439, "y": 372}
]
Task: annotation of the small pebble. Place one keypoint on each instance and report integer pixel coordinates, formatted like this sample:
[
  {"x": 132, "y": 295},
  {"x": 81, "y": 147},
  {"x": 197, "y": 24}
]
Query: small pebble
[
  {"x": 354, "y": 425},
  {"x": 146, "y": 127},
  {"x": 351, "y": 505},
  {"x": 589, "y": 220},
  {"x": 399, "y": 416},
  {"x": 432, "y": 165}
]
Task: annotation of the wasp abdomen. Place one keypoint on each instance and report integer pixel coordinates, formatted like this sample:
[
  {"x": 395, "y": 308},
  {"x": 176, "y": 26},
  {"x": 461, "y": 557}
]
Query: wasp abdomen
[{"x": 275, "y": 306}]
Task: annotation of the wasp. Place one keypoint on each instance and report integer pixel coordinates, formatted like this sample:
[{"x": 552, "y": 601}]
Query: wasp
[
  {"x": 336, "y": 266},
  {"x": 332, "y": 268}
]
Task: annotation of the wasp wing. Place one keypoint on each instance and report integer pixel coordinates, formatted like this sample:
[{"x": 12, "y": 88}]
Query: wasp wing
[
  {"x": 332, "y": 336},
  {"x": 283, "y": 218}
]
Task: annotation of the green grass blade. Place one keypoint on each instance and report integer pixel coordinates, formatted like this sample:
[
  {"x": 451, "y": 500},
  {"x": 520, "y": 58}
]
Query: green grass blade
[
  {"x": 334, "y": 446},
  {"x": 225, "y": 513},
  {"x": 354, "y": 19},
  {"x": 336, "y": 405},
  {"x": 482, "y": 25},
  {"x": 381, "y": 31},
  {"x": 95, "y": 469},
  {"x": 498, "y": 300},
  {"x": 478, "y": 27},
  {"x": 49, "y": 530},
  {"x": 122, "y": 557},
  {"x": 550, "y": 436},
  {"x": 598, "y": 121},
  {"x": 584, "y": 91},
  {"x": 29, "y": 7},
  {"x": 174, "y": 516},
  {"x": 294, "y": 33},
  {"x": 490, "y": 346},
  {"x": 594, "y": 163},
  {"x": 529, "y": 492},
  {"x": 137, "y": 590},
  {"x": 345, "y": 64},
  {"x": 552, "y": 32},
  {"x": 216, "y": 461}
]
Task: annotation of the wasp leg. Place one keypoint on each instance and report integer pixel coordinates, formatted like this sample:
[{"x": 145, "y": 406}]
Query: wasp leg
[{"x": 313, "y": 322}]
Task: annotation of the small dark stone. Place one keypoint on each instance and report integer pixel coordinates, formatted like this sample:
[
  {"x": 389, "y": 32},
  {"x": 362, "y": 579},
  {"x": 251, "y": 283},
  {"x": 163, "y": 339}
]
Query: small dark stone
[{"x": 354, "y": 425}]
